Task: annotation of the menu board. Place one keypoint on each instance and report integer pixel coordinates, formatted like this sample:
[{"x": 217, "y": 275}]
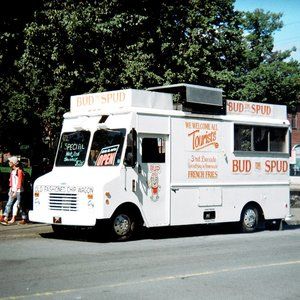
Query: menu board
[
  {"x": 72, "y": 149},
  {"x": 73, "y": 153}
]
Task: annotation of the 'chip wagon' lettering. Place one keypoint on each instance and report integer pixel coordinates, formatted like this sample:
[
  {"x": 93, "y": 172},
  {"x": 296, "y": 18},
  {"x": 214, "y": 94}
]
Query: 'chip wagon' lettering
[{"x": 64, "y": 189}]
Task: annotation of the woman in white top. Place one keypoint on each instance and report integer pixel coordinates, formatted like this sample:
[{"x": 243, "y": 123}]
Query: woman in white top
[{"x": 15, "y": 191}]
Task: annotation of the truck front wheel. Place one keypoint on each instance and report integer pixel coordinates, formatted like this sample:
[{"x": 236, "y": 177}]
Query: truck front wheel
[{"x": 124, "y": 225}]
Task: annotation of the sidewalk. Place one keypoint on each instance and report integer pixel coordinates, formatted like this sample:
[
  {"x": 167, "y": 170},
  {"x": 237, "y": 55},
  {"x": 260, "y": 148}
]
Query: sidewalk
[
  {"x": 27, "y": 230},
  {"x": 35, "y": 229}
]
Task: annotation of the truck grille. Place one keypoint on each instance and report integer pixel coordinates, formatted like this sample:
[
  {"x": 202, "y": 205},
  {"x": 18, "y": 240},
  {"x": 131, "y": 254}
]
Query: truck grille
[{"x": 63, "y": 202}]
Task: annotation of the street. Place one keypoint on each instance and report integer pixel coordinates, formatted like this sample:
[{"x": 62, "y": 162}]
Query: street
[{"x": 196, "y": 263}]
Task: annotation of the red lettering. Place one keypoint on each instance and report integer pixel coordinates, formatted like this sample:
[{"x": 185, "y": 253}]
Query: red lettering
[
  {"x": 202, "y": 140},
  {"x": 106, "y": 159},
  {"x": 235, "y": 107},
  {"x": 241, "y": 166},
  {"x": 276, "y": 166},
  {"x": 260, "y": 109}
]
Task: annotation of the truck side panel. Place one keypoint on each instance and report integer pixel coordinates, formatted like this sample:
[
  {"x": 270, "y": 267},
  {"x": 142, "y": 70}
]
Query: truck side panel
[{"x": 210, "y": 182}]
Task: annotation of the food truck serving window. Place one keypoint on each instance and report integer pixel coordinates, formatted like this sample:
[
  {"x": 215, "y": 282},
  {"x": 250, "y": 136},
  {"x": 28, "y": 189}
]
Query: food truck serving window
[
  {"x": 72, "y": 149},
  {"x": 107, "y": 147},
  {"x": 260, "y": 138}
]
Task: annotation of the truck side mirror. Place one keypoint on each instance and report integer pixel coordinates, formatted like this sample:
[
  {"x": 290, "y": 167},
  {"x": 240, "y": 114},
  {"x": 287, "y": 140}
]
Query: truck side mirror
[{"x": 131, "y": 150}]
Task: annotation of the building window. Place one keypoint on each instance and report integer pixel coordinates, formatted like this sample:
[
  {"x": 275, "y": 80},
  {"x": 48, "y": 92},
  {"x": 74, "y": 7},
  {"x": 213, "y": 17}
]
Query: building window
[{"x": 294, "y": 122}]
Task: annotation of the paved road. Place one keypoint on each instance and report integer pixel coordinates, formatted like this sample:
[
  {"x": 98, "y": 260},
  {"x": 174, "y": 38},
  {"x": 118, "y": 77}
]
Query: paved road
[{"x": 209, "y": 264}]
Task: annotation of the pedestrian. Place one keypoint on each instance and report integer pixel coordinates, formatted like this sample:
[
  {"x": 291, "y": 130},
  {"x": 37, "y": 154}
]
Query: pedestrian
[{"x": 16, "y": 190}]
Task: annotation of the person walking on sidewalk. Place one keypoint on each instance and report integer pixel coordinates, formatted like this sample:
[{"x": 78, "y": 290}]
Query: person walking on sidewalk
[{"x": 15, "y": 194}]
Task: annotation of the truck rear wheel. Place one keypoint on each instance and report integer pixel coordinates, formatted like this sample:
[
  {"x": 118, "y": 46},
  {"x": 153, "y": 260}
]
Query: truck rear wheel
[
  {"x": 124, "y": 225},
  {"x": 249, "y": 219}
]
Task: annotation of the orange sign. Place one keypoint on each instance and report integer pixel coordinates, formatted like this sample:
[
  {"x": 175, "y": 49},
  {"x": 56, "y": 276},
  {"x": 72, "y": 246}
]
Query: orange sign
[
  {"x": 276, "y": 166},
  {"x": 202, "y": 134},
  {"x": 249, "y": 108},
  {"x": 202, "y": 164},
  {"x": 245, "y": 166},
  {"x": 101, "y": 98}
]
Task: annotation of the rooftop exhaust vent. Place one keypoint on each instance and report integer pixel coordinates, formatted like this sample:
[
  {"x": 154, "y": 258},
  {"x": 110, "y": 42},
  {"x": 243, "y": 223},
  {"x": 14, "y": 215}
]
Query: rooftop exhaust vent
[{"x": 193, "y": 94}]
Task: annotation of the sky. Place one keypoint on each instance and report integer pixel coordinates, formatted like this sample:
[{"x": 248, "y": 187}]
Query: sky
[{"x": 289, "y": 35}]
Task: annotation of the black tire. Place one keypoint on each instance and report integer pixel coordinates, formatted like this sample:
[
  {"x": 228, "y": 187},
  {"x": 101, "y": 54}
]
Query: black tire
[
  {"x": 124, "y": 225},
  {"x": 249, "y": 219}
]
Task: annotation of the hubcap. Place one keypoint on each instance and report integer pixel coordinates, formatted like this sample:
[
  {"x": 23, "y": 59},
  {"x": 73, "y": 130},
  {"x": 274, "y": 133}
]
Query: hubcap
[
  {"x": 122, "y": 225},
  {"x": 250, "y": 218}
]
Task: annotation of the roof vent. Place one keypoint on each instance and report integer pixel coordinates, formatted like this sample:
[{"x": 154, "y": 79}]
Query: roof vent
[{"x": 195, "y": 98}]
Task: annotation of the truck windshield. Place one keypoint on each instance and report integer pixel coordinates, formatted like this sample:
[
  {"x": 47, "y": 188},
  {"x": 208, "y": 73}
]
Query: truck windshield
[
  {"x": 72, "y": 149},
  {"x": 107, "y": 147}
]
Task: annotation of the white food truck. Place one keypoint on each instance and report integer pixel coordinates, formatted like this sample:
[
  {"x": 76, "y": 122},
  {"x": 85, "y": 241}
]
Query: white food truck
[{"x": 130, "y": 158}]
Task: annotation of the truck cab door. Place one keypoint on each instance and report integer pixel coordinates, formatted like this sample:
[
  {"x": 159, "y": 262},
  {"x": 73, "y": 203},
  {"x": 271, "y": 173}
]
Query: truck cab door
[{"x": 153, "y": 179}]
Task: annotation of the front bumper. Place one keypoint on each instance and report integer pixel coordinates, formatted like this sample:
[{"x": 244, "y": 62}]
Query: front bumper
[{"x": 63, "y": 218}]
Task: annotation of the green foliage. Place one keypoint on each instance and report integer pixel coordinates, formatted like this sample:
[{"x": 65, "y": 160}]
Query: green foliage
[
  {"x": 276, "y": 82},
  {"x": 72, "y": 47},
  {"x": 259, "y": 27},
  {"x": 266, "y": 75}
]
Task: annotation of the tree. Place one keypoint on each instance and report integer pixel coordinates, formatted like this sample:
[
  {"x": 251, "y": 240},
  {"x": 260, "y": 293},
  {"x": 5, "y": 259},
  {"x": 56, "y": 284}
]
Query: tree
[
  {"x": 89, "y": 46},
  {"x": 15, "y": 118},
  {"x": 265, "y": 75},
  {"x": 66, "y": 48},
  {"x": 277, "y": 82},
  {"x": 76, "y": 48}
]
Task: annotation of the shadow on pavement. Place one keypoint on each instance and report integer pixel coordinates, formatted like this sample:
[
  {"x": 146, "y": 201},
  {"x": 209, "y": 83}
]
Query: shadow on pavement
[{"x": 91, "y": 235}]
